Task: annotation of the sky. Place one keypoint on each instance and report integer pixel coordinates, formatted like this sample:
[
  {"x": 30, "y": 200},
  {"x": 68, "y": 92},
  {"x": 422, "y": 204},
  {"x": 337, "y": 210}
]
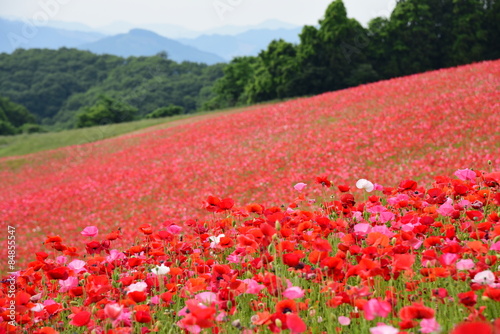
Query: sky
[{"x": 192, "y": 14}]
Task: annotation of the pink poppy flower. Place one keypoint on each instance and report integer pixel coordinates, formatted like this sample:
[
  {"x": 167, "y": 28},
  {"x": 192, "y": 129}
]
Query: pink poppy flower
[
  {"x": 77, "y": 266},
  {"x": 465, "y": 174},
  {"x": 429, "y": 326},
  {"x": 466, "y": 264},
  {"x": 344, "y": 321},
  {"x": 384, "y": 329},
  {"x": 495, "y": 246},
  {"x": 376, "y": 308},
  {"x": 68, "y": 284},
  {"x": 299, "y": 186},
  {"x": 293, "y": 292},
  {"x": 90, "y": 231}
]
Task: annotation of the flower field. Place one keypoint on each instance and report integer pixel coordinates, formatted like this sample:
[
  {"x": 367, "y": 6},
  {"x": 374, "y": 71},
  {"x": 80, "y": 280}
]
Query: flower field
[{"x": 255, "y": 222}]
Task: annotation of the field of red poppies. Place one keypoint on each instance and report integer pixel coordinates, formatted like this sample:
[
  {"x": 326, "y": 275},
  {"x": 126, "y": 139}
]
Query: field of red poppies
[{"x": 255, "y": 222}]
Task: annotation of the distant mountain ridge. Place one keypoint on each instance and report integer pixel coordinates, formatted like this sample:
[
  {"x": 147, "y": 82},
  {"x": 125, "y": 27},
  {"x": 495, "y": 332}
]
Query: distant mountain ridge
[
  {"x": 18, "y": 34},
  {"x": 248, "y": 43},
  {"x": 140, "y": 42},
  {"x": 214, "y": 46}
]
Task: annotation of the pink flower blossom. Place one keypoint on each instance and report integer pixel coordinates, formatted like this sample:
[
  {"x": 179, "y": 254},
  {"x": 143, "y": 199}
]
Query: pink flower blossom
[
  {"x": 447, "y": 259},
  {"x": 61, "y": 259},
  {"x": 68, "y": 284},
  {"x": 446, "y": 209},
  {"x": 299, "y": 186},
  {"x": 362, "y": 228},
  {"x": 174, "y": 229},
  {"x": 77, "y": 266},
  {"x": 344, "y": 321},
  {"x": 294, "y": 292},
  {"x": 252, "y": 286},
  {"x": 465, "y": 174},
  {"x": 495, "y": 246},
  {"x": 376, "y": 308},
  {"x": 113, "y": 310},
  {"x": 139, "y": 286},
  {"x": 429, "y": 326},
  {"x": 466, "y": 264},
  {"x": 90, "y": 231},
  {"x": 384, "y": 329},
  {"x": 206, "y": 297},
  {"x": 115, "y": 255}
]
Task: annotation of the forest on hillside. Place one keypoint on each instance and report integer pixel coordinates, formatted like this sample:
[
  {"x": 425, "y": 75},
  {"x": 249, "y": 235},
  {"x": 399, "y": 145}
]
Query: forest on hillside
[
  {"x": 68, "y": 88},
  {"x": 419, "y": 36}
]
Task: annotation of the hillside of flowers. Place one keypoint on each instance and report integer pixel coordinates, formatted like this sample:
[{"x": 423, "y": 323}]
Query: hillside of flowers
[
  {"x": 369, "y": 210},
  {"x": 408, "y": 259}
]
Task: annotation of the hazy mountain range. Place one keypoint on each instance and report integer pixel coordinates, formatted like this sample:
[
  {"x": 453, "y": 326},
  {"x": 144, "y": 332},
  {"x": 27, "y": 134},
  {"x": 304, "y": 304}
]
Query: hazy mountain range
[{"x": 123, "y": 39}]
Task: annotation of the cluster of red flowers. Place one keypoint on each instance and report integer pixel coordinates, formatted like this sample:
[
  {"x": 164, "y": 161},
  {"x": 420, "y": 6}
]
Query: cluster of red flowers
[
  {"x": 285, "y": 268},
  {"x": 130, "y": 245},
  {"x": 414, "y": 127}
]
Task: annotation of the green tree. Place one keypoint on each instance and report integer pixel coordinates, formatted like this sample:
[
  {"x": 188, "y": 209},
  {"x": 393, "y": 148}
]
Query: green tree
[
  {"x": 230, "y": 88},
  {"x": 170, "y": 110},
  {"x": 13, "y": 116},
  {"x": 106, "y": 111},
  {"x": 275, "y": 73}
]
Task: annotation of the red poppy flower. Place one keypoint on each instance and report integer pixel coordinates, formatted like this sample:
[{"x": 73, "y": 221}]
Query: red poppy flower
[
  {"x": 60, "y": 273},
  {"x": 212, "y": 204},
  {"x": 226, "y": 204},
  {"x": 138, "y": 296},
  {"x": 408, "y": 185},
  {"x": 295, "y": 324},
  {"x": 142, "y": 314},
  {"x": 323, "y": 180},
  {"x": 146, "y": 229},
  {"x": 468, "y": 298},
  {"x": 416, "y": 311},
  {"x": 322, "y": 245},
  {"x": 291, "y": 259},
  {"x": 473, "y": 327},
  {"x": 343, "y": 188},
  {"x": 81, "y": 319},
  {"x": 286, "y": 306}
]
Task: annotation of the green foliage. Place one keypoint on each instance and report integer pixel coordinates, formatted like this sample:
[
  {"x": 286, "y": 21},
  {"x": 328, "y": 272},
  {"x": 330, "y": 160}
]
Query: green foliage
[
  {"x": 171, "y": 110},
  {"x": 32, "y": 128},
  {"x": 56, "y": 85},
  {"x": 230, "y": 89},
  {"x": 6, "y": 129},
  {"x": 420, "y": 35},
  {"x": 13, "y": 116},
  {"x": 106, "y": 111}
]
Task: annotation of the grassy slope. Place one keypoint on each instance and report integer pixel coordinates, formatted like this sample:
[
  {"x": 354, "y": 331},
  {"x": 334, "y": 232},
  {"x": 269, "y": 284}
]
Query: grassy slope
[{"x": 11, "y": 146}]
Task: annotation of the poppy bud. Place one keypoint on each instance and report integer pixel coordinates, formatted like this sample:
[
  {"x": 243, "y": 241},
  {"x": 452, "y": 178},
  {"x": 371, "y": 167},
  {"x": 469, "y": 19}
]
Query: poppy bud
[
  {"x": 236, "y": 323},
  {"x": 278, "y": 323}
]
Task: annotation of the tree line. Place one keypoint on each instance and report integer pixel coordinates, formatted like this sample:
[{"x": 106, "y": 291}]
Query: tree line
[
  {"x": 68, "y": 88},
  {"x": 419, "y": 36}
]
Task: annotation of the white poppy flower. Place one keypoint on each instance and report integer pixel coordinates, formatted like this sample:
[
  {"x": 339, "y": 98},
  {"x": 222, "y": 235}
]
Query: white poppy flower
[
  {"x": 484, "y": 277},
  {"x": 215, "y": 240},
  {"x": 161, "y": 270},
  {"x": 365, "y": 184}
]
